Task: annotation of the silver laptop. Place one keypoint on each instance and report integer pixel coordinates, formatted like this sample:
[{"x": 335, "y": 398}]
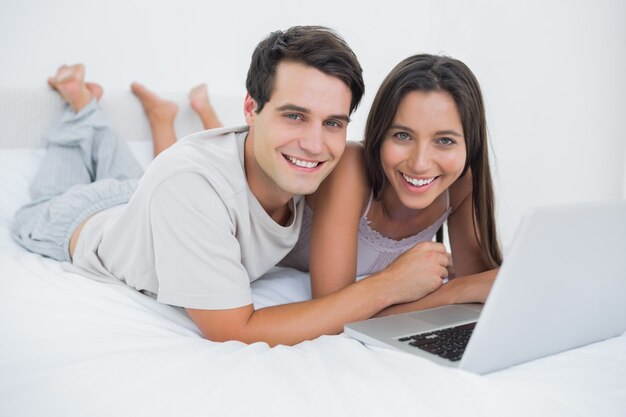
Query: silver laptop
[{"x": 562, "y": 285}]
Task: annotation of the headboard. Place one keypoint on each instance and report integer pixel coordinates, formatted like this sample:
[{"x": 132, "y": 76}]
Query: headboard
[{"x": 25, "y": 114}]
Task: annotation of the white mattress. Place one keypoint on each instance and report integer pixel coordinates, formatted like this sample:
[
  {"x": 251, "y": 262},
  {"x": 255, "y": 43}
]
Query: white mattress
[{"x": 70, "y": 346}]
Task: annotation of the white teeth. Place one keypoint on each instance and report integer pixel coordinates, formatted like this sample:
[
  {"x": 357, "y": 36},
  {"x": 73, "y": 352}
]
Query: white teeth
[
  {"x": 418, "y": 183},
  {"x": 304, "y": 164}
]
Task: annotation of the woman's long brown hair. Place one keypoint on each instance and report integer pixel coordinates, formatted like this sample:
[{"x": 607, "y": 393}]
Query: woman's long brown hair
[{"x": 438, "y": 73}]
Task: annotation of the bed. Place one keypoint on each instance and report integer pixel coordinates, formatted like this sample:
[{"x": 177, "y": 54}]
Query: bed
[{"x": 71, "y": 346}]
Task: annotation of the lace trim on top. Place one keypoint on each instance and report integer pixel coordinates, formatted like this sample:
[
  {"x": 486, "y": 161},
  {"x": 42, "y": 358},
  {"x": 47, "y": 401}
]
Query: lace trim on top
[{"x": 385, "y": 244}]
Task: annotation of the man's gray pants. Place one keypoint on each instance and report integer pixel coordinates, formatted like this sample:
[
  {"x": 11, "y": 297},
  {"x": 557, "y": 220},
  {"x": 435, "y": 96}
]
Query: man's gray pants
[{"x": 87, "y": 168}]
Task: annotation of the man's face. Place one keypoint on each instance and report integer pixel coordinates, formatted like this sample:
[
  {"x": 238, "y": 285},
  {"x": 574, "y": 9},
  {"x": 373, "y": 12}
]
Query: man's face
[{"x": 299, "y": 136}]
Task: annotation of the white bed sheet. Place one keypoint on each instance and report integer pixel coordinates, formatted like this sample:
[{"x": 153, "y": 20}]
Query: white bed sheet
[{"x": 70, "y": 346}]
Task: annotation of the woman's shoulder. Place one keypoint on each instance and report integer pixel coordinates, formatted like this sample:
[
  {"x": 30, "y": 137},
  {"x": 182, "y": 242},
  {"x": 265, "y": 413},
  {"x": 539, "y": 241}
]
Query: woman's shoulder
[
  {"x": 353, "y": 155},
  {"x": 347, "y": 178},
  {"x": 351, "y": 167}
]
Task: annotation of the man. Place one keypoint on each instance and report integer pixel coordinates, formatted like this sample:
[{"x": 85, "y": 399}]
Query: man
[{"x": 221, "y": 207}]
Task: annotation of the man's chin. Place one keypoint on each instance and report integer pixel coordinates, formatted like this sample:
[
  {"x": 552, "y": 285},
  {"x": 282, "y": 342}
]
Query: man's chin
[
  {"x": 301, "y": 185},
  {"x": 304, "y": 189}
]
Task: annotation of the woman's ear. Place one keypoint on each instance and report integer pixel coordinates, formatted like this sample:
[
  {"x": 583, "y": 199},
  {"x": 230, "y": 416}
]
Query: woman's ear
[{"x": 249, "y": 109}]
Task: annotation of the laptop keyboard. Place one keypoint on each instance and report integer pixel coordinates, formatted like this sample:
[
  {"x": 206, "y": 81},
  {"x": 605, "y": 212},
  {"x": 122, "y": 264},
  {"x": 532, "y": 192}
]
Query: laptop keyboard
[{"x": 447, "y": 343}]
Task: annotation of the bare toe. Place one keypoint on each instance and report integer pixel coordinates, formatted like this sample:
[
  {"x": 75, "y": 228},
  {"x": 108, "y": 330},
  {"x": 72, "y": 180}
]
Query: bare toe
[
  {"x": 69, "y": 82},
  {"x": 156, "y": 108},
  {"x": 199, "y": 100},
  {"x": 199, "y": 91},
  {"x": 95, "y": 90}
]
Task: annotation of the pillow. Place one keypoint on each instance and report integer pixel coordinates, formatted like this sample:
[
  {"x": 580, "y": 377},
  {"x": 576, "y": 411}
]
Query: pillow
[{"x": 17, "y": 169}]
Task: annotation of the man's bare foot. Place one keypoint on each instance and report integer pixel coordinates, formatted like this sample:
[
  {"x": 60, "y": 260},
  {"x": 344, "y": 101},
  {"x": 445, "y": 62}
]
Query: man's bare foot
[
  {"x": 161, "y": 114},
  {"x": 95, "y": 90},
  {"x": 69, "y": 81},
  {"x": 157, "y": 109},
  {"x": 199, "y": 100}
]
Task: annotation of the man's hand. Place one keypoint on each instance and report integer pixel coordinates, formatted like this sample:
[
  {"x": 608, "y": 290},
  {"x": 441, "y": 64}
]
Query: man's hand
[{"x": 417, "y": 272}]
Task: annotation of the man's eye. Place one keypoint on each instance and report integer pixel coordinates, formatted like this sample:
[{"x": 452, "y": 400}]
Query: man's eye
[
  {"x": 333, "y": 123},
  {"x": 292, "y": 116}
]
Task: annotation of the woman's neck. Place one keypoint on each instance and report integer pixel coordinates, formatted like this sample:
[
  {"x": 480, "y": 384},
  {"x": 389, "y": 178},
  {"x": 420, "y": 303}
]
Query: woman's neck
[{"x": 392, "y": 219}]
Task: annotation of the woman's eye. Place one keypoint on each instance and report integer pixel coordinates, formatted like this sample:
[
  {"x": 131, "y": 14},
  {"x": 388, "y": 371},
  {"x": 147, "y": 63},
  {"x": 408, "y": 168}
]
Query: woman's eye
[
  {"x": 403, "y": 136},
  {"x": 446, "y": 141}
]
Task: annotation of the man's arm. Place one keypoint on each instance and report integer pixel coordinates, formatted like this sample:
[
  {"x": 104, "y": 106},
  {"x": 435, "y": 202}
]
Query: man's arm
[
  {"x": 289, "y": 324},
  {"x": 198, "y": 265},
  {"x": 293, "y": 323}
]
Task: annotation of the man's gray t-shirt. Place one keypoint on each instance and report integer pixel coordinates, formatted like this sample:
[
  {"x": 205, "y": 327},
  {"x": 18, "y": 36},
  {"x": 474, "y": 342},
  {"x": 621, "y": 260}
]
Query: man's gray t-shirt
[{"x": 193, "y": 233}]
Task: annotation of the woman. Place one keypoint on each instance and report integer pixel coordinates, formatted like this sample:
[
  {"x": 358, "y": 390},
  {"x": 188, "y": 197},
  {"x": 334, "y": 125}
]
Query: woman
[{"x": 424, "y": 161}]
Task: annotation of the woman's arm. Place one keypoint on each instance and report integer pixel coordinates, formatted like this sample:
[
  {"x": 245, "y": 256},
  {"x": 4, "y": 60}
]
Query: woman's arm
[
  {"x": 337, "y": 208},
  {"x": 467, "y": 289},
  {"x": 473, "y": 277}
]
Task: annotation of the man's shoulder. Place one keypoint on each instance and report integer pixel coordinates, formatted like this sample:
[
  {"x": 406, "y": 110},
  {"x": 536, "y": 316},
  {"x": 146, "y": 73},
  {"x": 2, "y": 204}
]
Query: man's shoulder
[
  {"x": 221, "y": 141},
  {"x": 213, "y": 134},
  {"x": 213, "y": 147},
  {"x": 216, "y": 155}
]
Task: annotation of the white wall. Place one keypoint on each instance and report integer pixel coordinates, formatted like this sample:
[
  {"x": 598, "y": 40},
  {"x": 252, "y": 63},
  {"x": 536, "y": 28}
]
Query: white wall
[{"x": 553, "y": 73}]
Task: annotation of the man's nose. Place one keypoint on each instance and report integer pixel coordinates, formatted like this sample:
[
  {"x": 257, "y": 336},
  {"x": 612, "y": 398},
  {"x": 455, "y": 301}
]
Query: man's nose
[{"x": 312, "y": 140}]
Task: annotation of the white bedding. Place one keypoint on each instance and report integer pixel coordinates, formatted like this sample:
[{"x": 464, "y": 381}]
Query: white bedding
[{"x": 70, "y": 346}]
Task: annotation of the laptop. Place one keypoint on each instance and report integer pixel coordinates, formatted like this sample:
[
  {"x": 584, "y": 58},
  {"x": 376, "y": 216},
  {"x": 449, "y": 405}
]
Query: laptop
[{"x": 562, "y": 285}]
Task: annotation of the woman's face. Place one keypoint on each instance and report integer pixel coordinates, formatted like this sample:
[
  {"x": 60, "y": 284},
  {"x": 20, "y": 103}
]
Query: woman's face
[{"x": 423, "y": 151}]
